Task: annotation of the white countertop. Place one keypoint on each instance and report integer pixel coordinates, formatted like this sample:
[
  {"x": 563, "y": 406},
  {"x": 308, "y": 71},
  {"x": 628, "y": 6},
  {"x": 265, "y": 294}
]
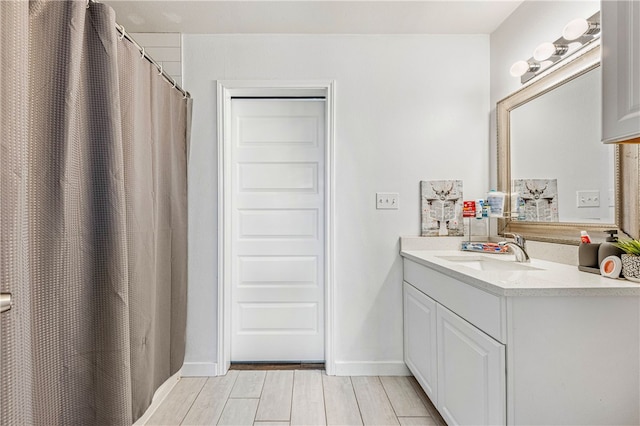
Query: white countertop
[{"x": 549, "y": 279}]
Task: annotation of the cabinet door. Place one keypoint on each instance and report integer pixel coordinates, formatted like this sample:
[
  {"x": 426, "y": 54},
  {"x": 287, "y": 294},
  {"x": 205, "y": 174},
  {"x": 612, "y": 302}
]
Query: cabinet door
[
  {"x": 620, "y": 70},
  {"x": 471, "y": 373},
  {"x": 420, "y": 338}
]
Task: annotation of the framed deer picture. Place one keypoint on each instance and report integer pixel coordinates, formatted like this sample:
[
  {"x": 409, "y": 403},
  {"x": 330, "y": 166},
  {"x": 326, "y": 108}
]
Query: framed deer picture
[
  {"x": 537, "y": 199},
  {"x": 441, "y": 205}
]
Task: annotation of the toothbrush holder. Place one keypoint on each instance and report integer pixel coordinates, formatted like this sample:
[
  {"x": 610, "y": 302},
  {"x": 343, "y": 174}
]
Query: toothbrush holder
[{"x": 588, "y": 257}]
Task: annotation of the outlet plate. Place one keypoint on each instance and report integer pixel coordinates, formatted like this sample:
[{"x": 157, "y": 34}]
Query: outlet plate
[
  {"x": 387, "y": 200},
  {"x": 590, "y": 198}
]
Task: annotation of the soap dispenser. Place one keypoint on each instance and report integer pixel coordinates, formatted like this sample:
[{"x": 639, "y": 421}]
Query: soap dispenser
[{"x": 607, "y": 248}]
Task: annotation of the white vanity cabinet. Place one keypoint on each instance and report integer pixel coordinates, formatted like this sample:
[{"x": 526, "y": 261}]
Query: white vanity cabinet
[
  {"x": 420, "y": 338},
  {"x": 620, "y": 70},
  {"x": 460, "y": 367},
  {"x": 540, "y": 347}
]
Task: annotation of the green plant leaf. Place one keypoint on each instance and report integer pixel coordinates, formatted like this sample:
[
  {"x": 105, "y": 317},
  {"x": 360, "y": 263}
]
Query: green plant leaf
[{"x": 629, "y": 246}]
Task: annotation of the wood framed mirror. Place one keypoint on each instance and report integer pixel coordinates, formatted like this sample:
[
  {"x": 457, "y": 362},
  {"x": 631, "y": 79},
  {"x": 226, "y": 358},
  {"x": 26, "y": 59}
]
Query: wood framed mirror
[{"x": 559, "y": 177}]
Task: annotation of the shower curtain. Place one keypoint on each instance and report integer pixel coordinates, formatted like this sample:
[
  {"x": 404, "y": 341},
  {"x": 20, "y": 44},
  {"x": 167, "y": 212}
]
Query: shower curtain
[{"x": 93, "y": 153}]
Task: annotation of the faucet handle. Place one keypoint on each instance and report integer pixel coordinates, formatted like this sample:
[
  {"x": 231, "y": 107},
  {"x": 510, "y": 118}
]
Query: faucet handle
[{"x": 519, "y": 239}]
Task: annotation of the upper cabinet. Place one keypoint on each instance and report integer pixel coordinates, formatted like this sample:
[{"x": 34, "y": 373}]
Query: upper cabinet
[{"x": 620, "y": 71}]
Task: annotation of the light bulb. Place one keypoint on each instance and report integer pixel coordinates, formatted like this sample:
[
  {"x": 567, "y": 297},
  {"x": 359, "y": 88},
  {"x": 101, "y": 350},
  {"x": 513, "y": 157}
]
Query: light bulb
[
  {"x": 520, "y": 68},
  {"x": 548, "y": 49},
  {"x": 544, "y": 51},
  {"x": 575, "y": 29}
]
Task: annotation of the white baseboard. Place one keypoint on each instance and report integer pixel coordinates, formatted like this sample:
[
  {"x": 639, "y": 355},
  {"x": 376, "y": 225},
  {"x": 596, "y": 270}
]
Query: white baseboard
[
  {"x": 159, "y": 396},
  {"x": 371, "y": 368},
  {"x": 199, "y": 369}
]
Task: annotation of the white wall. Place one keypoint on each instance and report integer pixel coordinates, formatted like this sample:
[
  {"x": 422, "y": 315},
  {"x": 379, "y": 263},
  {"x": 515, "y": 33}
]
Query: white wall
[
  {"x": 409, "y": 108},
  {"x": 529, "y": 25}
]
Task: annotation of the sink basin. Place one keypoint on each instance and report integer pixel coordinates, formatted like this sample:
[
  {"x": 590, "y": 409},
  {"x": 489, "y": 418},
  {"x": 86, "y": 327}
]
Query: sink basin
[{"x": 483, "y": 263}]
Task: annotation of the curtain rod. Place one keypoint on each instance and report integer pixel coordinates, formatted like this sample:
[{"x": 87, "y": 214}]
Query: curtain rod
[{"x": 161, "y": 72}]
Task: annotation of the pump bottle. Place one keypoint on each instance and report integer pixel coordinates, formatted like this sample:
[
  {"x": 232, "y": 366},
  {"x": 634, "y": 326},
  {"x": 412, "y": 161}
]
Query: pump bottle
[{"x": 607, "y": 248}]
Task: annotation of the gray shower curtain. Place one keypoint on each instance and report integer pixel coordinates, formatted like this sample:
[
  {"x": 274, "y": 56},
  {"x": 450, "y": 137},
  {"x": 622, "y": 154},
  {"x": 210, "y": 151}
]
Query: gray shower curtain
[{"x": 93, "y": 152}]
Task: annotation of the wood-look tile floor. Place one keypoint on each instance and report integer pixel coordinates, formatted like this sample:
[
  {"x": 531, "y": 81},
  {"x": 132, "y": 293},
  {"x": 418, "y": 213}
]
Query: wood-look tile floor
[{"x": 300, "y": 397}]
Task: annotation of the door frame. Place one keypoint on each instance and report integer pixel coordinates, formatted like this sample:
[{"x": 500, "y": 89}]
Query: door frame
[{"x": 226, "y": 89}]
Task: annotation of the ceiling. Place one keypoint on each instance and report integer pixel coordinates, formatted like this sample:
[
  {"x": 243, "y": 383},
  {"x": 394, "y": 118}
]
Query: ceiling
[{"x": 313, "y": 16}]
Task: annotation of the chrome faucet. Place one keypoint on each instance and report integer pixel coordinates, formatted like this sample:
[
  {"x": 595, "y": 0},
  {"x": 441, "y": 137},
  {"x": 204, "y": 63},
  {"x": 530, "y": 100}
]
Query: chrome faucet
[{"x": 518, "y": 246}]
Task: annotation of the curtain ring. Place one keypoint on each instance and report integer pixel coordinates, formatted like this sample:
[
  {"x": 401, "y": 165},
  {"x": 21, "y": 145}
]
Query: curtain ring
[
  {"x": 88, "y": 1},
  {"x": 142, "y": 53},
  {"x": 122, "y": 33},
  {"x": 160, "y": 70},
  {"x": 174, "y": 82}
]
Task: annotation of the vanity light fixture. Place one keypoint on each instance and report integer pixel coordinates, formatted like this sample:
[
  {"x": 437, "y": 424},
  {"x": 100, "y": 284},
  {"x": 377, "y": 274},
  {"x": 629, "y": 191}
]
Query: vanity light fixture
[{"x": 575, "y": 35}]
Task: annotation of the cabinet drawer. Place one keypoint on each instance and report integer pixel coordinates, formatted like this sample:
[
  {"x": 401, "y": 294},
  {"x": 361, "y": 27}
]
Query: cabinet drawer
[{"x": 484, "y": 310}]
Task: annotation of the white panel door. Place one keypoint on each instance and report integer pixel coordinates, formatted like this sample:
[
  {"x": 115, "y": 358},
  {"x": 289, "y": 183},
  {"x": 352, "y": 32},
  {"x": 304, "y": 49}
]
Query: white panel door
[
  {"x": 420, "y": 353},
  {"x": 278, "y": 195},
  {"x": 471, "y": 373}
]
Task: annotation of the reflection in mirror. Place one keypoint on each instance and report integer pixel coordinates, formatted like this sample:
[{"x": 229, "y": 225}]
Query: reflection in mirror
[
  {"x": 559, "y": 169},
  {"x": 550, "y": 153}
]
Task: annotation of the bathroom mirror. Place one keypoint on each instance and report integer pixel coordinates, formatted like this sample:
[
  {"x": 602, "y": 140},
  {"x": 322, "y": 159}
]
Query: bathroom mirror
[{"x": 561, "y": 178}]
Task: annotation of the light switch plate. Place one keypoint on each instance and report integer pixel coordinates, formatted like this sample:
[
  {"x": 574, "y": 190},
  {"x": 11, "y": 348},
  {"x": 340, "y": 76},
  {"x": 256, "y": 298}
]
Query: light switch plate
[
  {"x": 387, "y": 200},
  {"x": 589, "y": 198}
]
